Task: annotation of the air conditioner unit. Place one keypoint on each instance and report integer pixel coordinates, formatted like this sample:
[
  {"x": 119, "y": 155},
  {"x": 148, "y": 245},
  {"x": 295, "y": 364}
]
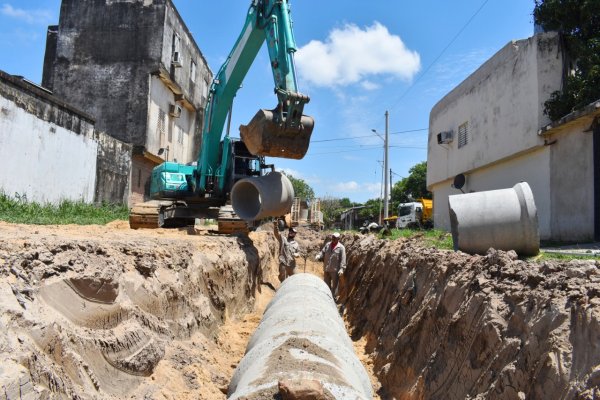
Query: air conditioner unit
[
  {"x": 176, "y": 59},
  {"x": 175, "y": 110},
  {"x": 445, "y": 137}
]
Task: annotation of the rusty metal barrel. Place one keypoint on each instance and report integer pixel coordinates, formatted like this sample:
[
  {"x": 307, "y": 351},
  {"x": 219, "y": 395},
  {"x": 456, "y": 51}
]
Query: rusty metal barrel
[
  {"x": 504, "y": 219},
  {"x": 301, "y": 338},
  {"x": 259, "y": 197}
]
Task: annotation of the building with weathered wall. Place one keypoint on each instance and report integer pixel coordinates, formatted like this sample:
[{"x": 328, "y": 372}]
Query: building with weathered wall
[
  {"x": 487, "y": 128},
  {"x": 350, "y": 219},
  {"x": 136, "y": 68},
  {"x": 50, "y": 151}
]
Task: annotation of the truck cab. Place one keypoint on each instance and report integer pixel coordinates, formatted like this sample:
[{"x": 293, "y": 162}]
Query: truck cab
[
  {"x": 415, "y": 214},
  {"x": 408, "y": 213}
]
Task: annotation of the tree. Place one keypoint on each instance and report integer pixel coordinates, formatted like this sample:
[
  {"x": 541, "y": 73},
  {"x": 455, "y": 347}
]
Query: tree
[
  {"x": 346, "y": 203},
  {"x": 413, "y": 187},
  {"x": 578, "y": 23},
  {"x": 301, "y": 188},
  {"x": 332, "y": 209},
  {"x": 371, "y": 211}
]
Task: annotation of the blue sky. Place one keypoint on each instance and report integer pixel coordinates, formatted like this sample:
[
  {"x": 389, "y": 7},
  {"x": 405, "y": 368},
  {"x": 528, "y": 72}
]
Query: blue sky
[{"x": 356, "y": 60}]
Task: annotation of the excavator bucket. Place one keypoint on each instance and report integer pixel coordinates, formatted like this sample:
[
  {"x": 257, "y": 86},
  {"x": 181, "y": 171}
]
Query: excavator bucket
[{"x": 265, "y": 136}]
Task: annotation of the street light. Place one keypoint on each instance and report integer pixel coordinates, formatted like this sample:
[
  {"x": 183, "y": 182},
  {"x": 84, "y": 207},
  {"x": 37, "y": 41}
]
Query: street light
[{"x": 385, "y": 164}]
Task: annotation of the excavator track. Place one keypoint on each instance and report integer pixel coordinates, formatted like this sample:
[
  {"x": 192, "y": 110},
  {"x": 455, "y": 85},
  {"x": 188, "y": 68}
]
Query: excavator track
[
  {"x": 147, "y": 216},
  {"x": 228, "y": 221}
]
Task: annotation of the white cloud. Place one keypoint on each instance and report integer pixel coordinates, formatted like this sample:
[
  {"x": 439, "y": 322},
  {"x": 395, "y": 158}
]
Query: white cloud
[
  {"x": 350, "y": 186},
  {"x": 30, "y": 16},
  {"x": 368, "y": 85},
  {"x": 292, "y": 172},
  {"x": 350, "y": 55},
  {"x": 371, "y": 189}
]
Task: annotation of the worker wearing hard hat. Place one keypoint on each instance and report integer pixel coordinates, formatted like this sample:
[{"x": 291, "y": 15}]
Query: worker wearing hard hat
[
  {"x": 334, "y": 262},
  {"x": 289, "y": 249}
]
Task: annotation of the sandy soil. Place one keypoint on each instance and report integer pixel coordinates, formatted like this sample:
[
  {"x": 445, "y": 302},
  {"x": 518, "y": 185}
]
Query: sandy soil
[
  {"x": 106, "y": 312},
  {"x": 446, "y": 325}
]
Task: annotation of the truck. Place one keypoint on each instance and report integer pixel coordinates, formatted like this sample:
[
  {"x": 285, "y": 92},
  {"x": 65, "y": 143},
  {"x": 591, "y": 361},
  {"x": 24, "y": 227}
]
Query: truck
[
  {"x": 417, "y": 214},
  {"x": 183, "y": 192}
]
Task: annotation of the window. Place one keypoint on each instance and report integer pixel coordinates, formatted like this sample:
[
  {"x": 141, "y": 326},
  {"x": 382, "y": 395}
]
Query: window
[
  {"x": 404, "y": 210},
  {"x": 139, "y": 177},
  {"x": 193, "y": 72},
  {"x": 176, "y": 43},
  {"x": 179, "y": 135},
  {"x": 463, "y": 135},
  {"x": 160, "y": 126}
]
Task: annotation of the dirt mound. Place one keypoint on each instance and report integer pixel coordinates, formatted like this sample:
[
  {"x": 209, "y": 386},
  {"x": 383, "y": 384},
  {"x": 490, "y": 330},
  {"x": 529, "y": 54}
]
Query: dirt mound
[
  {"x": 100, "y": 312},
  {"x": 449, "y": 325}
]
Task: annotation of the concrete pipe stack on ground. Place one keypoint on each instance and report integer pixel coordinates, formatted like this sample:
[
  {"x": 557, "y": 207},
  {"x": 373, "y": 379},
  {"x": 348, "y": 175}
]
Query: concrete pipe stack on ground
[
  {"x": 301, "y": 341},
  {"x": 255, "y": 198},
  {"x": 503, "y": 219}
]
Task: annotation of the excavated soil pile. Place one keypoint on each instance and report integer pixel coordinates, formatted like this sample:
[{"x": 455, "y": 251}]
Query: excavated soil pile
[
  {"x": 445, "y": 325},
  {"x": 103, "y": 312}
]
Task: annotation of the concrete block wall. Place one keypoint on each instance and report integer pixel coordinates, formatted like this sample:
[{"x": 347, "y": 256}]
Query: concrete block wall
[{"x": 50, "y": 151}]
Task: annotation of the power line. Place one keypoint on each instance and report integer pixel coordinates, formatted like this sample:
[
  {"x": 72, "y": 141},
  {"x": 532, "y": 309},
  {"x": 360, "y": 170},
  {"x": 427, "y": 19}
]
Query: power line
[
  {"x": 368, "y": 136},
  {"x": 363, "y": 149},
  {"x": 440, "y": 55}
]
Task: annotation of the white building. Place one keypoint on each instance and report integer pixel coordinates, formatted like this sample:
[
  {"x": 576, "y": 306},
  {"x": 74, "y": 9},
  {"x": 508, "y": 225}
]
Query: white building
[{"x": 492, "y": 129}]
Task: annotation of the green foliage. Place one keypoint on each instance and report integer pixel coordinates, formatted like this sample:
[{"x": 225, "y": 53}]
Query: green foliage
[
  {"x": 21, "y": 211},
  {"x": 332, "y": 209},
  {"x": 301, "y": 188},
  {"x": 346, "y": 203},
  {"x": 371, "y": 211},
  {"x": 413, "y": 187},
  {"x": 578, "y": 22}
]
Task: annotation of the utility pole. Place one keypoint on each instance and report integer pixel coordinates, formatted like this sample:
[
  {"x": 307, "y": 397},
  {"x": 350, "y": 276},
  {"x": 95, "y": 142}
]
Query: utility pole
[
  {"x": 391, "y": 187},
  {"x": 385, "y": 166}
]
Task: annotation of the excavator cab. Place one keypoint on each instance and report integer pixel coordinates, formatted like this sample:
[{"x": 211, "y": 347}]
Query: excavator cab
[{"x": 280, "y": 132}]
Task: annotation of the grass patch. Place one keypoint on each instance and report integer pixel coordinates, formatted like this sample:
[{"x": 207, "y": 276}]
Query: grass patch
[
  {"x": 21, "y": 211},
  {"x": 431, "y": 237},
  {"x": 546, "y": 256}
]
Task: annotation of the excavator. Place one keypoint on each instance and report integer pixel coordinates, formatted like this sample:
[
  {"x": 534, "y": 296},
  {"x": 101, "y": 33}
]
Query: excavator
[{"x": 182, "y": 192}]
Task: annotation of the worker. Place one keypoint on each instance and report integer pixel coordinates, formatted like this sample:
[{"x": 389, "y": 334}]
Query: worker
[
  {"x": 289, "y": 249},
  {"x": 334, "y": 262}
]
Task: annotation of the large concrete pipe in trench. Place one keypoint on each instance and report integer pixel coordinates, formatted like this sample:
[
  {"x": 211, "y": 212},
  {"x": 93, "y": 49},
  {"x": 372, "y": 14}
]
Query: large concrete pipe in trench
[
  {"x": 301, "y": 338},
  {"x": 259, "y": 197},
  {"x": 504, "y": 219}
]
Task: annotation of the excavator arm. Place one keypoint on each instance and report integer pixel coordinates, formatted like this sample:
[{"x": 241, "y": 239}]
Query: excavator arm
[
  {"x": 182, "y": 193},
  {"x": 281, "y": 132}
]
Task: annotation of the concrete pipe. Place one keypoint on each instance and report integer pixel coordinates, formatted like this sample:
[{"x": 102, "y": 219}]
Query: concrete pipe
[
  {"x": 255, "y": 198},
  {"x": 503, "y": 219},
  {"x": 301, "y": 338}
]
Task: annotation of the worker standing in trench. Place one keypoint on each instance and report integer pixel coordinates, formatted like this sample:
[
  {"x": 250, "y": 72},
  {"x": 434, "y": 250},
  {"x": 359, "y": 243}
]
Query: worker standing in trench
[
  {"x": 334, "y": 262},
  {"x": 289, "y": 249}
]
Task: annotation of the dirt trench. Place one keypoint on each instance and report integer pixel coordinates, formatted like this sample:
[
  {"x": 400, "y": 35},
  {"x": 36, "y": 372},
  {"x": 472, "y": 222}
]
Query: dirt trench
[
  {"x": 446, "y": 325},
  {"x": 106, "y": 312}
]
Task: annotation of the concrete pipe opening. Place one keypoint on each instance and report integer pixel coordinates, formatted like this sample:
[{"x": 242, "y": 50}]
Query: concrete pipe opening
[
  {"x": 255, "y": 198},
  {"x": 503, "y": 219},
  {"x": 301, "y": 342}
]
